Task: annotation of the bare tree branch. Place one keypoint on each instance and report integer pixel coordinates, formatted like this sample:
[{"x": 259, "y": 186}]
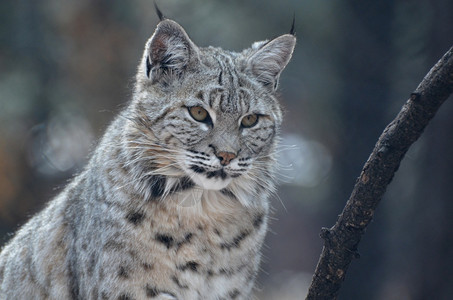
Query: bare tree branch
[{"x": 341, "y": 241}]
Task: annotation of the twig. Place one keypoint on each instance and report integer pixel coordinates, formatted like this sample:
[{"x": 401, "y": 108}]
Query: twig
[{"x": 341, "y": 241}]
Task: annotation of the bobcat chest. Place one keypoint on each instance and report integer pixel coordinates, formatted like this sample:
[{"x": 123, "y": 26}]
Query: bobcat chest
[{"x": 191, "y": 252}]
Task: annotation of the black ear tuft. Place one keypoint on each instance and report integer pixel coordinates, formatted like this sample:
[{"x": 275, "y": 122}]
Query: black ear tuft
[
  {"x": 148, "y": 66},
  {"x": 293, "y": 30},
  {"x": 158, "y": 12}
]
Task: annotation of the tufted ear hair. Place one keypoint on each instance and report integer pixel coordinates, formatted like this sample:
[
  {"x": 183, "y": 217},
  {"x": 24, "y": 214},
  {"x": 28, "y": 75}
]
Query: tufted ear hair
[
  {"x": 168, "y": 52},
  {"x": 268, "y": 59}
]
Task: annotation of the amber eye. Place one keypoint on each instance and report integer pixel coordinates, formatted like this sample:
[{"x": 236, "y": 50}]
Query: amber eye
[
  {"x": 199, "y": 113},
  {"x": 249, "y": 120}
]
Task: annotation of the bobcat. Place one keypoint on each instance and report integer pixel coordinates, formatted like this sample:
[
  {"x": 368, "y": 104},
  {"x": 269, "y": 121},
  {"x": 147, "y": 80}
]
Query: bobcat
[{"x": 173, "y": 203}]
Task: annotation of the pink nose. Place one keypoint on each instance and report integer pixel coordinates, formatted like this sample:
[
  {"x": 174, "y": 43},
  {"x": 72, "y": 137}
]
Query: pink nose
[{"x": 225, "y": 157}]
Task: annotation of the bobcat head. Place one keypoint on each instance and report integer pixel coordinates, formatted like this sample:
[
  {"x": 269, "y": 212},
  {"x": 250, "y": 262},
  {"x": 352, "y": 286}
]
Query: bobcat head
[{"x": 207, "y": 114}]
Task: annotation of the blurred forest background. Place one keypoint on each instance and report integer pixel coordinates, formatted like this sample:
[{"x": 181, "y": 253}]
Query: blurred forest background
[{"x": 66, "y": 69}]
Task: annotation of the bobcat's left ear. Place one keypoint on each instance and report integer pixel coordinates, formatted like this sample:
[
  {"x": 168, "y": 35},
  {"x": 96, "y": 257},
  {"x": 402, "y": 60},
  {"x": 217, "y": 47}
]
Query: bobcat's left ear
[
  {"x": 168, "y": 51},
  {"x": 268, "y": 61}
]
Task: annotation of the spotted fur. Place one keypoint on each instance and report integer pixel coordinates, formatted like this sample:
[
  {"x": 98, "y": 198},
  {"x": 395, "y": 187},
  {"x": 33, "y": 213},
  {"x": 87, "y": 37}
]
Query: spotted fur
[{"x": 168, "y": 207}]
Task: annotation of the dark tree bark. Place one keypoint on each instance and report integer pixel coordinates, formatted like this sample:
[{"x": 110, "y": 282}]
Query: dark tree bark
[{"x": 341, "y": 241}]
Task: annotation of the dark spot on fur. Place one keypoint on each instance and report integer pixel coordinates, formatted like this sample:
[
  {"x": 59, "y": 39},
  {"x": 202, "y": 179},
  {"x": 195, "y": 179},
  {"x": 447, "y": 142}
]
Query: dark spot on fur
[
  {"x": 148, "y": 67},
  {"x": 258, "y": 220},
  {"x": 178, "y": 283},
  {"x": 190, "y": 265},
  {"x": 185, "y": 183},
  {"x": 226, "y": 272},
  {"x": 151, "y": 291},
  {"x": 226, "y": 246},
  {"x": 73, "y": 275},
  {"x": 167, "y": 240},
  {"x": 234, "y": 294},
  {"x": 216, "y": 231},
  {"x": 236, "y": 241},
  {"x": 212, "y": 174},
  {"x": 200, "y": 95},
  {"x": 186, "y": 240},
  {"x": 101, "y": 274},
  {"x": 94, "y": 293},
  {"x": 250, "y": 275},
  {"x": 220, "y": 77},
  {"x": 193, "y": 266},
  {"x": 147, "y": 266},
  {"x": 224, "y": 101},
  {"x": 122, "y": 272},
  {"x": 113, "y": 245},
  {"x": 241, "y": 237},
  {"x": 188, "y": 237},
  {"x": 132, "y": 253},
  {"x": 92, "y": 264},
  {"x": 241, "y": 267},
  {"x": 124, "y": 297},
  {"x": 104, "y": 295},
  {"x": 158, "y": 186},
  {"x": 219, "y": 173},
  {"x": 182, "y": 184},
  {"x": 135, "y": 217},
  {"x": 197, "y": 169},
  {"x": 210, "y": 273}
]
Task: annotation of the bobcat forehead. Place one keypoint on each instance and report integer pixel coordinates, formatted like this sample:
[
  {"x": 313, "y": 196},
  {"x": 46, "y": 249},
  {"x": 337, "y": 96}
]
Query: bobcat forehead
[{"x": 174, "y": 201}]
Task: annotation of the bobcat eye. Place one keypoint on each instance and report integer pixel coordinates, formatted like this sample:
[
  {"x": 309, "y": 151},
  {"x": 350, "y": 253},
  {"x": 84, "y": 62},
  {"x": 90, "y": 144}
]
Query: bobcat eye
[
  {"x": 249, "y": 120},
  {"x": 199, "y": 114}
]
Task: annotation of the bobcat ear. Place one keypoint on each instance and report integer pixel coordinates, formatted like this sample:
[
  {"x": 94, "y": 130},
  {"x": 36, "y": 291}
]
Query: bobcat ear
[
  {"x": 270, "y": 58},
  {"x": 168, "y": 51}
]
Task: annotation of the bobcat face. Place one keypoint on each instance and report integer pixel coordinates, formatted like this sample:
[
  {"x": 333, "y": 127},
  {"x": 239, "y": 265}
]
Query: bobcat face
[
  {"x": 222, "y": 129},
  {"x": 214, "y": 113}
]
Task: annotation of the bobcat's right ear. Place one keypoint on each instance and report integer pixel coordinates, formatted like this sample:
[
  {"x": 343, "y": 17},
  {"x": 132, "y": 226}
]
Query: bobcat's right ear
[{"x": 168, "y": 51}]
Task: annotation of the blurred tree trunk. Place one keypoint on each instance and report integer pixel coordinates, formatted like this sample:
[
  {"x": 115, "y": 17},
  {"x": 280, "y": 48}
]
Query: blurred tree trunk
[
  {"x": 341, "y": 241},
  {"x": 417, "y": 230},
  {"x": 364, "y": 64},
  {"x": 399, "y": 41}
]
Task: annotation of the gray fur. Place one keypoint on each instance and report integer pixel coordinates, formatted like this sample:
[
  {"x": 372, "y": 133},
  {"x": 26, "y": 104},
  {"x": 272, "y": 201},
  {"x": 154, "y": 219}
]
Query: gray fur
[{"x": 154, "y": 215}]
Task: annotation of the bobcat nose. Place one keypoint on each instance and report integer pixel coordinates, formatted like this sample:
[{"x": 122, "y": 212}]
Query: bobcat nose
[{"x": 225, "y": 157}]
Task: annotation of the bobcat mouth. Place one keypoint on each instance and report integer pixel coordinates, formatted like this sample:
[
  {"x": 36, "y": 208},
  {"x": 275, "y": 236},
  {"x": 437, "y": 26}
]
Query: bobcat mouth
[
  {"x": 210, "y": 174},
  {"x": 210, "y": 180}
]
